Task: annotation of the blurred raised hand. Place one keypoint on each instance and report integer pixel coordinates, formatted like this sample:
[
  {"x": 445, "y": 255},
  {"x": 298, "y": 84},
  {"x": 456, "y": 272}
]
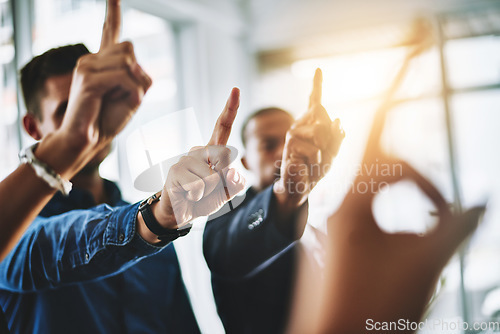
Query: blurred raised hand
[
  {"x": 372, "y": 276},
  {"x": 311, "y": 144}
]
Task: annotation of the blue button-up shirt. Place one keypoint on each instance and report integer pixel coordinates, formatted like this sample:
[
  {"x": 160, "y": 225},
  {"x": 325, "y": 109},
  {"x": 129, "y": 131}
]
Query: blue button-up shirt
[{"x": 88, "y": 271}]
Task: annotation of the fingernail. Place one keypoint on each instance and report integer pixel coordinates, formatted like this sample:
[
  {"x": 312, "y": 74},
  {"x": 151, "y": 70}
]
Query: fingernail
[{"x": 236, "y": 177}]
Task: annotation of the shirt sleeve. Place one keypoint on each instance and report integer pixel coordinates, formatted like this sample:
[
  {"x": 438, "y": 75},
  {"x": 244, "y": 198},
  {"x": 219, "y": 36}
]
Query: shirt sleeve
[
  {"x": 80, "y": 245},
  {"x": 244, "y": 241}
]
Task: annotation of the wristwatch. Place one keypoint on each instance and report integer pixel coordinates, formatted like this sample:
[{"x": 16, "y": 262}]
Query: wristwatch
[{"x": 163, "y": 234}]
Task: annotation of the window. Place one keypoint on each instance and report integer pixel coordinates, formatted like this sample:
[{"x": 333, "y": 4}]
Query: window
[
  {"x": 9, "y": 130},
  {"x": 476, "y": 117},
  {"x": 416, "y": 130}
]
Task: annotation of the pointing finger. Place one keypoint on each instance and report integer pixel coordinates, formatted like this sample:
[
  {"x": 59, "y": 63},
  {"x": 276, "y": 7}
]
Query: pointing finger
[
  {"x": 316, "y": 112},
  {"x": 222, "y": 128},
  {"x": 316, "y": 93},
  {"x": 111, "y": 27}
]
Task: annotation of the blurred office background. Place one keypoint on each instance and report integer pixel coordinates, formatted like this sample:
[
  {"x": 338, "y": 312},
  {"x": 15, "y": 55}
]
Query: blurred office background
[{"x": 446, "y": 122}]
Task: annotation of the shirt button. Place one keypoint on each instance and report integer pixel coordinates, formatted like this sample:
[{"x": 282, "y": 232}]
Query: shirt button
[
  {"x": 121, "y": 237},
  {"x": 251, "y": 227}
]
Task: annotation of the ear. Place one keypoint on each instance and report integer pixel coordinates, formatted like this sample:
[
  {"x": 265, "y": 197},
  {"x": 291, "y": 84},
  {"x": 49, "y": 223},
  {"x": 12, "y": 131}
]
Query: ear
[
  {"x": 244, "y": 162},
  {"x": 31, "y": 126}
]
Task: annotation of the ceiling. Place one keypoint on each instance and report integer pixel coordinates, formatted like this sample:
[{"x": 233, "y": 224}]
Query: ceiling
[
  {"x": 276, "y": 24},
  {"x": 283, "y": 31}
]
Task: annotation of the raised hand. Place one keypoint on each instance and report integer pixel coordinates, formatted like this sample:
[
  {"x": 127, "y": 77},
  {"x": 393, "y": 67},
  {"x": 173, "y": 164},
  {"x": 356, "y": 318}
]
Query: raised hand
[
  {"x": 375, "y": 275},
  {"x": 202, "y": 182},
  {"x": 311, "y": 144},
  {"x": 123, "y": 100},
  {"x": 107, "y": 87},
  {"x": 106, "y": 90}
]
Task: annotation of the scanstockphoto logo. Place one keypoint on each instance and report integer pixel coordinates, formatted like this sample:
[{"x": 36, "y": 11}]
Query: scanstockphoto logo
[
  {"x": 441, "y": 326},
  {"x": 366, "y": 179}
]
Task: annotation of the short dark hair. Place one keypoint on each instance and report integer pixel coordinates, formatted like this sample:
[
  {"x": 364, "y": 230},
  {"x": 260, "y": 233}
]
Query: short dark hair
[
  {"x": 57, "y": 61},
  {"x": 255, "y": 114}
]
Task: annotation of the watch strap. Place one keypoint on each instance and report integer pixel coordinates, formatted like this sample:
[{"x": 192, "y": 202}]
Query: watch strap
[{"x": 163, "y": 234}]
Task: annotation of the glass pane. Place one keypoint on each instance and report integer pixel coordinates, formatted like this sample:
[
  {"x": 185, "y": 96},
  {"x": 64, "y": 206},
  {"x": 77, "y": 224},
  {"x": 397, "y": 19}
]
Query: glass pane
[
  {"x": 9, "y": 134},
  {"x": 360, "y": 76},
  {"x": 61, "y": 22},
  {"x": 476, "y": 118},
  {"x": 473, "y": 61},
  {"x": 415, "y": 132}
]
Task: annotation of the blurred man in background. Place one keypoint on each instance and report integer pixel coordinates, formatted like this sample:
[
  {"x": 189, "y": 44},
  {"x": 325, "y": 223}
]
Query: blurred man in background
[{"x": 251, "y": 251}]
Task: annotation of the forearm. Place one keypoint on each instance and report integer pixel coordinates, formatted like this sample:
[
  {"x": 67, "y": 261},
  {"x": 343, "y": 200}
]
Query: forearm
[
  {"x": 24, "y": 194},
  {"x": 81, "y": 245},
  {"x": 67, "y": 151},
  {"x": 165, "y": 218},
  {"x": 290, "y": 208}
]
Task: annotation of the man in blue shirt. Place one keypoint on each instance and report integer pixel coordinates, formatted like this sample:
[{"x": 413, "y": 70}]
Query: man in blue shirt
[
  {"x": 60, "y": 156},
  {"x": 81, "y": 268}
]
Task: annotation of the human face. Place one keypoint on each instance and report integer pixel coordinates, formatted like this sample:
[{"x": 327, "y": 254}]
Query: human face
[
  {"x": 53, "y": 104},
  {"x": 265, "y": 139}
]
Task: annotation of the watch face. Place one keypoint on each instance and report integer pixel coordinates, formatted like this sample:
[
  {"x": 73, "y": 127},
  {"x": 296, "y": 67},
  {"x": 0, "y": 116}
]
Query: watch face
[
  {"x": 150, "y": 200},
  {"x": 143, "y": 205}
]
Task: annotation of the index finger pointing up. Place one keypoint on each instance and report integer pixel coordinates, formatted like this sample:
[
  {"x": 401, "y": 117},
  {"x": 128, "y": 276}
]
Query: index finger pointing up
[
  {"x": 317, "y": 92},
  {"x": 224, "y": 124},
  {"x": 111, "y": 27},
  {"x": 316, "y": 112}
]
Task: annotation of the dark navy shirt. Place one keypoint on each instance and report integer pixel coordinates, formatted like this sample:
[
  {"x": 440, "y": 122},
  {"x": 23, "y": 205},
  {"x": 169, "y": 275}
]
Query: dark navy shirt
[
  {"x": 3, "y": 324},
  {"x": 81, "y": 268},
  {"x": 252, "y": 265}
]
